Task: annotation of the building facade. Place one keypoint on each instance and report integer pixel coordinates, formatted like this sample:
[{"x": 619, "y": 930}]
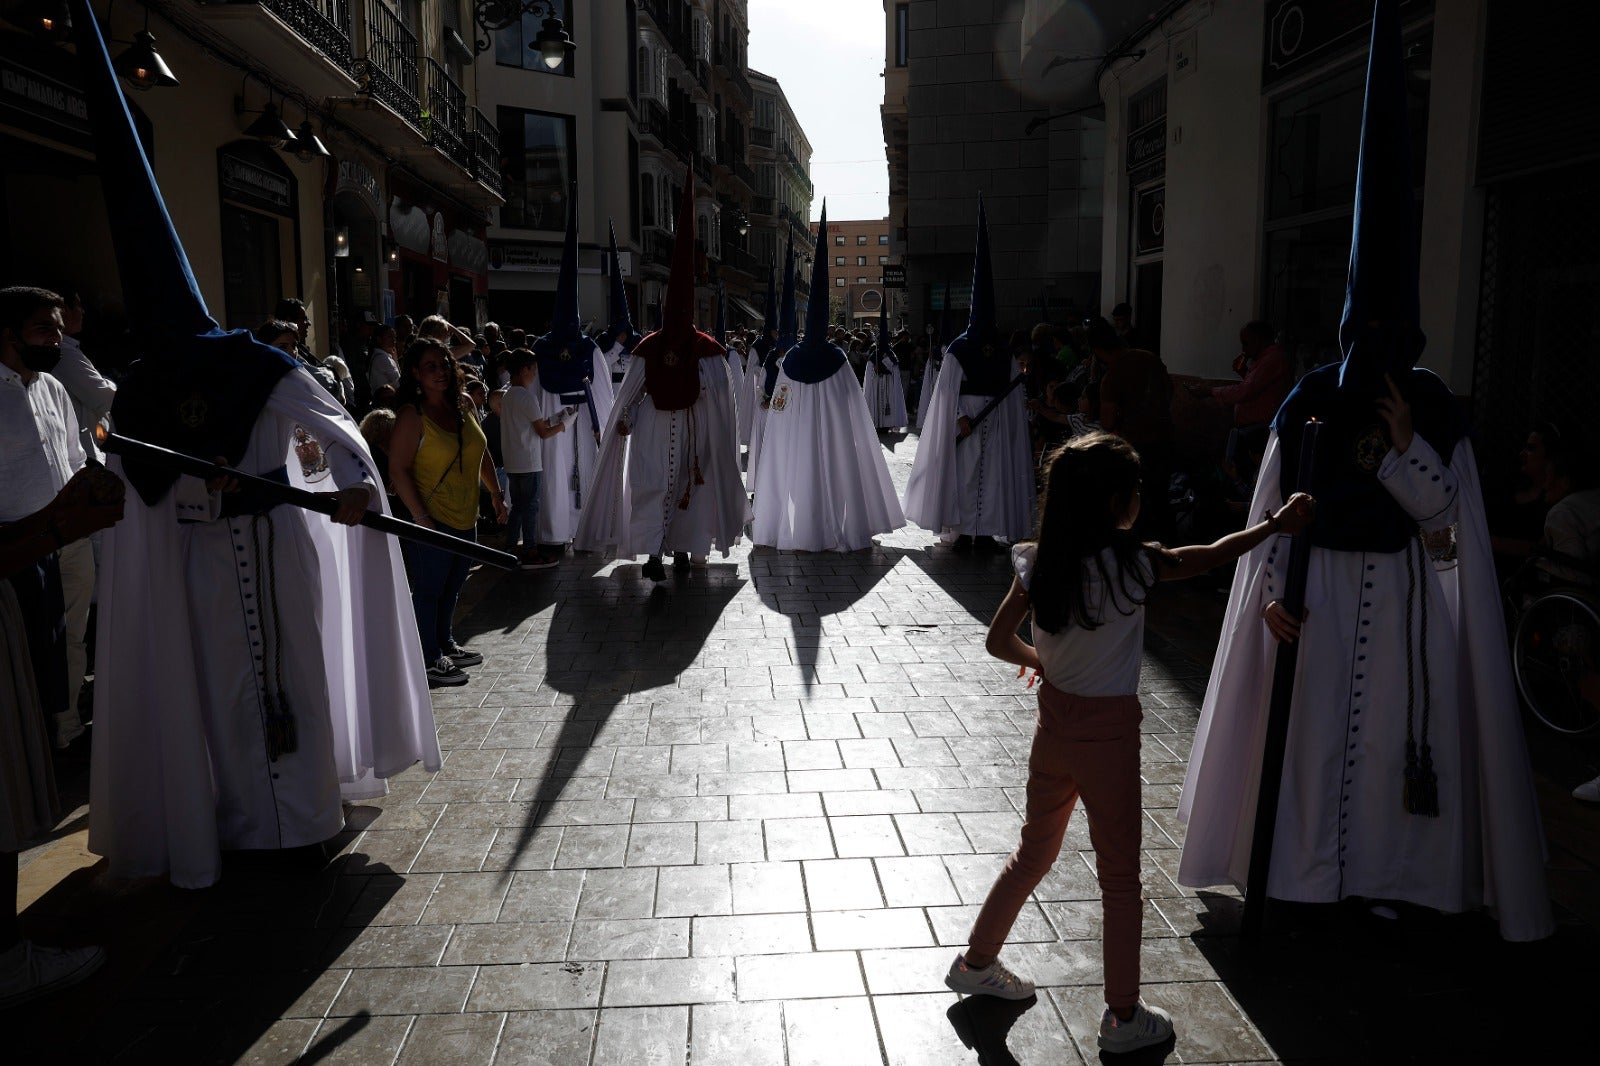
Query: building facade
[
  {"x": 857, "y": 251},
  {"x": 781, "y": 157},
  {"x": 384, "y": 215},
  {"x": 1233, "y": 133}
]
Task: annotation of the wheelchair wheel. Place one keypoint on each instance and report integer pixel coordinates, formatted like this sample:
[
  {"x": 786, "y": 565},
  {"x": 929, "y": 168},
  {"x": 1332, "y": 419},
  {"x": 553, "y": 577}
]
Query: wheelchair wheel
[{"x": 1556, "y": 657}]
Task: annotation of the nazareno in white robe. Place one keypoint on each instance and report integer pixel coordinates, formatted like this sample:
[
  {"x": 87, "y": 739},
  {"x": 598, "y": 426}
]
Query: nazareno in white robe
[
  {"x": 180, "y": 768},
  {"x": 741, "y": 397},
  {"x": 1341, "y": 827},
  {"x": 568, "y": 458},
  {"x": 617, "y": 360},
  {"x": 641, "y": 477},
  {"x": 886, "y": 398},
  {"x": 984, "y": 485},
  {"x": 930, "y": 377},
  {"x": 824, "y": 484}
]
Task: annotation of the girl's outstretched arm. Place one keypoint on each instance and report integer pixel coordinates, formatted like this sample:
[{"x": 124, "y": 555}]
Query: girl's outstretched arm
[
  {"x": 1179, "y": 563},
  {"x": 1003, "y": 642}
]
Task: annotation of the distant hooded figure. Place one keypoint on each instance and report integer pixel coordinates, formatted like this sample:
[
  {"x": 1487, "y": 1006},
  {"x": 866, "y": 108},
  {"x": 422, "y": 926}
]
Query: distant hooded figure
[
  {"x": 573, "y": 387},
  {"x": 618, "y": 341},
  {"x": 667, "y": 479},
  {"x": 750, "y": 395},
  {"x": 772, "y": 360},
  {"x": 886, "y": 398},
  {"x": 1406, "y": 775},
  {"x": 823, "y": 484},
  {"x": 973, "y": 475},
  {"x": 936, "y": 350}
]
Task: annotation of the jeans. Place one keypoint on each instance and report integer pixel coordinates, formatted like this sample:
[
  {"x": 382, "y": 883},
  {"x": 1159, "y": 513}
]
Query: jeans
[
  {"x": 520, "y": 525},
  {"x": 436, "y": 580},
  {"x": 1083, "y": 746}
]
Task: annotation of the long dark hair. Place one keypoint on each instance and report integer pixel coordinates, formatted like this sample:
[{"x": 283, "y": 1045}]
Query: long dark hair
[
  {"x": 409, "y": 392},
  {"x": 1089, "y": 485}
]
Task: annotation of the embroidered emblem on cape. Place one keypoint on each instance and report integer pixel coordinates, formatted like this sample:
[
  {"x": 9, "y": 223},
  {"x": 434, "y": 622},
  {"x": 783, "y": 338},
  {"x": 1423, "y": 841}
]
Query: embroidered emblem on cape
[
  {"x": 671, "y": 358},
  {"x": 565, "y": 356},
  {"x": 193, "y": 410},
  {"x": 308, "y": 450},
  {"x": 780, "y": 401},
  {"x": 988, "y": 351},
  {"x": 1371, "y": 447}
]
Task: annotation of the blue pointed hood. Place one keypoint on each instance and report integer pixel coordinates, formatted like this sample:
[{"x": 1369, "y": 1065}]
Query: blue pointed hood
[
  {"x": 194, "y": 388},
  {"x": 788, "y": 317},
  {"x": 565, "y": 354},
  {"x": 1380, "y": 331},
  {"x": 984, "y": 358},
  {"x": 621, "y": 320},
  {"x": 816, "y": 358}
]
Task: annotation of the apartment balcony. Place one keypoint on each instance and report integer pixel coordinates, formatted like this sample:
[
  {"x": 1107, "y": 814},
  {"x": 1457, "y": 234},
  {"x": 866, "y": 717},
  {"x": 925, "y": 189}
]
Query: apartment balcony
[
  {"x": 740, "y": 259},
  {"x": 277, "y": 34},
  {"x": 741, "y": 85},
  {"x": 485, "y": 148},
  {"x": 745, "y": 173},
  {"x": 702, "y": 74},
  {"x": 762, "y": 138},
  {"x": 657, "y": 248},
  {"x": 445, "y": 119},
  {"x": 390, "y": 62},
  {"x": 763, "y": 205},
  {"x": 702, "y": 167}
]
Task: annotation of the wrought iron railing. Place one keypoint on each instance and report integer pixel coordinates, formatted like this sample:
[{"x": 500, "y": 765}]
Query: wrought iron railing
[
  {"x": 761, "y": 138},
  {"x": 391, "y": 62},
  {"x": 737, "y": 258},
  {"x": 445, "y": 118},
  {"x": 325, "y": 25},
  {"x": 485, "y": 142}
]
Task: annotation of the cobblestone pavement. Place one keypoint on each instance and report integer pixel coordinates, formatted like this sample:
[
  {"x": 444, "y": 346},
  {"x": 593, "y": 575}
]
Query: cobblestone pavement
[{"x": 744, "y": 817}]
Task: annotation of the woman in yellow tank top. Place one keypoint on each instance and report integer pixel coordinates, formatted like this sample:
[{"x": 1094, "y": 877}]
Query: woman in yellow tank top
[{"x": 437, "y": 458}]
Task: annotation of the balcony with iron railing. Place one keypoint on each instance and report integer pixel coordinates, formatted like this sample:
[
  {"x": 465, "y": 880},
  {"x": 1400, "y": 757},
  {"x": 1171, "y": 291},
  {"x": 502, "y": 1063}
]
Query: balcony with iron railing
[
  {"x": 745, "y": 173},
  {"x": 741, "y": 84},
  {"x": 763, "y": 205},
  {"x": 702, "y": 167},
  {"x": 657, "y": 248},
  {"x": 762, "y": 138},
  {"x": 485, "y": 147},
  {"x": 277, "y": 33},
  {"x": 444, "y": 120},
  {"x": 737, "y": 258},
  {"x": 390, "y": 62}
]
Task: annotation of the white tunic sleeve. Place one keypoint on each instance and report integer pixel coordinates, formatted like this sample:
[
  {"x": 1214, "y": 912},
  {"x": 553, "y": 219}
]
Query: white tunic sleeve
[{"x": 1421, "y": 483}]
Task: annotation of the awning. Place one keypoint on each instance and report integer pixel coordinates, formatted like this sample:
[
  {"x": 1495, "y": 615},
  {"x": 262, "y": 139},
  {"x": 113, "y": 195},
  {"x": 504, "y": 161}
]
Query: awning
[{"x": 754, "y": 315}]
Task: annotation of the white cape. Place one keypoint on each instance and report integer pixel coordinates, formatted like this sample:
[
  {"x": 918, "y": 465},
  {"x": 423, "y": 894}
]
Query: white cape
[
  {"x": 1341, "y": 827},
  {"x": 737, "y": 373},
  {"x": 886, "y": 398},
  {"x": 180, "y": 769},
  {"x": 930, "y": 375},
  {"x": 750, "y": 409},
  {"x": 642, "y": 477},
  {"x": 983, "y": 486},
  {"x": 568, "y": 459},
  {"x": 824, "y": 486}
]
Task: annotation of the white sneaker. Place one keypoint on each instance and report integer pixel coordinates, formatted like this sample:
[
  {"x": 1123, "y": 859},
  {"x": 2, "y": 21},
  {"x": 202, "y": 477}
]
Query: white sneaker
[
  {"x": 29, "y": 970},
  {"x": 1589, "y": 791},
  {"x": 1148, "y": 1026},
  {"x": 993, "y": 980}
]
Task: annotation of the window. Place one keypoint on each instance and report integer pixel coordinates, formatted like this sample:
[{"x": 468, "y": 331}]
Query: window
[
  {"x": 838, "y": 283},
  {"x": 861, "y": 281},
  {"x": 861, "y": 238},
  {"x": 512, "y": 45},
  {"x": 838, "y": 260},
  {"x": 883, "y": 240},
  {"x": 861, "y": 260},
  {"x": 882, "y": 259},
  {"x": 839, "y": 240},
  {"x": 902, "y": 34},
  {"x": 538, "y": 149}
]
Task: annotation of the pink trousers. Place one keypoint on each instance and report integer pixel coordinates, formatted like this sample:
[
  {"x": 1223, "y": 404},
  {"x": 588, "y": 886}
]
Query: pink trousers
[{"x": 1088, "y": 747}]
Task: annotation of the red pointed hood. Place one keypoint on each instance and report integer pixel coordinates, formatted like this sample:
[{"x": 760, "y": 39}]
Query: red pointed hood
[{"x": 672, "y": 353}]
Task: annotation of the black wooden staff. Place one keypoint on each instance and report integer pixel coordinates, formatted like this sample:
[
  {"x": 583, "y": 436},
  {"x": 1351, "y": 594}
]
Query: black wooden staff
[
  {"x": 278, "y": 492},
  {"x": 988, "y": 409},
  {"x": 1283, "y": 677}
]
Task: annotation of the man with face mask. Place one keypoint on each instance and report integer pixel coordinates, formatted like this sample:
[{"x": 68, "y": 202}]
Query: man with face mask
[{"x": 39, "y": 452}]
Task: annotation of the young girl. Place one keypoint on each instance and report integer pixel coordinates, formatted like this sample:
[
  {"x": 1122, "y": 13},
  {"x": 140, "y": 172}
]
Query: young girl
[{"x": 1085, "y": 579}]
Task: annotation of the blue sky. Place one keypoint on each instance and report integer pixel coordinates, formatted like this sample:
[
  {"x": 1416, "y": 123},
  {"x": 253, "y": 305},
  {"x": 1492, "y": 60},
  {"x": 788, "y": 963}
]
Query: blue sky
[{"x": 828, "y": 55}]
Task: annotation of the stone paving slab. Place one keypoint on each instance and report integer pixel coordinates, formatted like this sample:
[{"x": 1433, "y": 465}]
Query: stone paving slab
[{"x": 745, "y": 816}]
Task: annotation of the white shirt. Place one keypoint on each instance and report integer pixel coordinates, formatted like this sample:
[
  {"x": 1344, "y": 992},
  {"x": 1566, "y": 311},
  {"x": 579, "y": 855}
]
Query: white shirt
[
  {"x": 520, "y": 444},
  {"x": 90, "y": 391},
  {"x": 1103, "y": 661},
  {"x": 385, "y": 371},
  {"x": 39, "y": 445}
]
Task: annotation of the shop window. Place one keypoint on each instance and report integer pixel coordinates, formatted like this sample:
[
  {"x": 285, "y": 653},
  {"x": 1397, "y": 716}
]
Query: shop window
[
  {"x": 540, "y": 168},
  {"x": 260, "y": 205},
  {"x": 511, "y": 45}
]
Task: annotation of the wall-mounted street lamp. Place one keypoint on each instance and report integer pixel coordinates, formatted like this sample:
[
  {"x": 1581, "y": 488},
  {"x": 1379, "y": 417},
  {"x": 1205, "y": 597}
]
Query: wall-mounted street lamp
[
  {"x": 741, "y": 223},
  {"x": 552, "y": 42}
]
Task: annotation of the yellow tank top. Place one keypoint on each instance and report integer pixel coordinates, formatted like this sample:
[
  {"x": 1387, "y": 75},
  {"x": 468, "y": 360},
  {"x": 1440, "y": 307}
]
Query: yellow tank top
[{"x": 448, "y": 478}]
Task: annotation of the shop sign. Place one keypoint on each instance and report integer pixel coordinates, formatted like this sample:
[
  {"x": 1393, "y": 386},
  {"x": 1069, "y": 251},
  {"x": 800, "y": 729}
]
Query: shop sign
[
  {"x": 251, "y": 185},
  {"x": 1302, "y": 32},
  {"x": 1148, "y": 143},
  {"x": 528, "y": 257},
  {"x": 356, "y": 178},
  {"x": 39, "y": 94},
  {"x": 894, "y": 276}
]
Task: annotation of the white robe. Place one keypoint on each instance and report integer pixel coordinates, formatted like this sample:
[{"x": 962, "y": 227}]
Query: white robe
[
  {"x": 568, "y": 460},
  {"x": 930, "y": 376},
  {"x": 1341, "y": 827},
  {"x": 982, "y": 487},
  {"x": 741, "y": 396},
  {"x": 886, "y": 398},
  {"x": 180, "y": 768},
  {"x": 643, "y": 476},
  {"x": 824, "y": 486},
  {"x": 617, "y": 360},
  {"x": 750, "y": 409}
]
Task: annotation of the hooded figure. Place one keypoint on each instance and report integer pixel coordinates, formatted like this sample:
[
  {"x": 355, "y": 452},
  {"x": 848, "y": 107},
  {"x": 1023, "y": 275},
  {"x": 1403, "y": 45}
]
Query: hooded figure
[
  {"x": 823, "y": 484},
  {"x": 573, "y": 388},
  {"x": 620, "y": 335},
  {"x": 767, "y": 380},
  {"x": 735, "y": 360},
  {"x": 886, "y": 399},
  {"x": 981, "y": 486},
  {"x": 930, "y": 373},
  {"x": 257, "y": 663},
  {"x": 754, "y": 373},
  {"x": 668, "y": 475},
  {"x": 1406, "y": 775}
]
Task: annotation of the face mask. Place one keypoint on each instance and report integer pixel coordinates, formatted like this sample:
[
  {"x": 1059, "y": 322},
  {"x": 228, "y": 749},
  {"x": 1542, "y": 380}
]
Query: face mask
[{"x": 40, "y": 358}]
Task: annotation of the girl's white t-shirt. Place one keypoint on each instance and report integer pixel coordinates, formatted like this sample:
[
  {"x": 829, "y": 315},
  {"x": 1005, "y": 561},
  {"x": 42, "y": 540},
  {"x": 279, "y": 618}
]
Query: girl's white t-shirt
[{"x": 1103, "y": 661}]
